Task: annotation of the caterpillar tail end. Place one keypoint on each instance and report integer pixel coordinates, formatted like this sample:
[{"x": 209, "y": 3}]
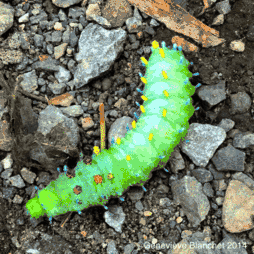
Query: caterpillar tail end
[
  {"x": 34, "y": 208},
  {"x": 46, "y": 202}
]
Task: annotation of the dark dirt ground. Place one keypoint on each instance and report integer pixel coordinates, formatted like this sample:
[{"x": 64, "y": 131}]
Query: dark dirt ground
[{"x": 237, "y": 70}]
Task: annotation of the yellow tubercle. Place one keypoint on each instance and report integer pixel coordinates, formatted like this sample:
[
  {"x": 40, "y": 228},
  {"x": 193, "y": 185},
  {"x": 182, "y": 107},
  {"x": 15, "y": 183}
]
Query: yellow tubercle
[
  {"x": 144, "y": 80},
  {"x": 150, "y": 136},
  {"x": 133, "y": 124},
  {"x": 164, "y": 74},
  {"x": 164, "y": 112},
  {"x": 162, "y": 53},
  {"x": 144, "y": 98},
  {"x": 142, "y": 109},
  {"x": 155, "y": 44},
  {"x": 96, "y": 150},
  {"x": 166, "y": 93},
  {"x": 118, "y": 141},
  {"x": 110, "y": 176},
  {"x": 128, "y": 157},
  {"x": 144, "y": 60}
]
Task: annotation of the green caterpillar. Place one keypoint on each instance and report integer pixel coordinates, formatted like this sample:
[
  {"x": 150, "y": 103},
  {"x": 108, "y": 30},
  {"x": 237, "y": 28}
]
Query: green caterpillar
[{"x": 163, "y": 123}]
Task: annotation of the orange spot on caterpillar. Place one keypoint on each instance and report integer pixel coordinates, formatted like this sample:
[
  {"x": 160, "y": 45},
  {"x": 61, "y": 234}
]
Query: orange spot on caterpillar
[
  {"x": 128, "y": 157},
  {"x": 70, "y": 176},
  {"x": 98, "y": 179},
  {"x": 76, "y": 191}
]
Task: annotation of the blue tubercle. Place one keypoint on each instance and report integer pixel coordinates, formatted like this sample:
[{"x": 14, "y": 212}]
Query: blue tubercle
[
  {"x": 198, "y": 85},
  {"x": 144, "y": 188},
  {"x": 181, "y": 130},
  {"x": 187, "y": 102},
  {"x": 139, "y": 90},
  {"x": 65, "y": 169},
  {"x": 135, "y": 114}
]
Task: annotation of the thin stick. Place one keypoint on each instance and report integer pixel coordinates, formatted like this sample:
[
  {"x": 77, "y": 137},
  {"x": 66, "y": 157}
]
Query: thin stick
[
  {"x": 69, "y": 215},
  {"x": 32, "y": 96},
  {"x": 102, "y": 126}
]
